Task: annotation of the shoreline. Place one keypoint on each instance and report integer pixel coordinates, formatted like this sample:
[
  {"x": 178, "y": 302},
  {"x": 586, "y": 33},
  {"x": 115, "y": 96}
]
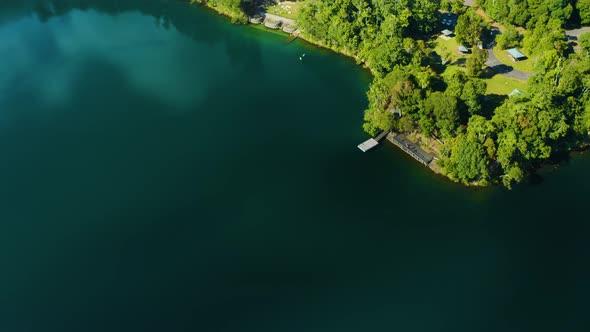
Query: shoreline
[
  {"x": 301, "y": 35},
  {"x": 433, "y": 166}
]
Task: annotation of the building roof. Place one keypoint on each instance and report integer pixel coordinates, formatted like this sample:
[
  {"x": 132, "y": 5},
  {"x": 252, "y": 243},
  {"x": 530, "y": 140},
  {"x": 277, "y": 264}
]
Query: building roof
[
  {"x": 516, "y": 53},
  {"x": 463, "y": 49},
  {"x": 516, "y": 92},
  {"x": 447, "y": 32}
]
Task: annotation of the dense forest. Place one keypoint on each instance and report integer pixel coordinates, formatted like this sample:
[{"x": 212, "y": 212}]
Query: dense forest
[
  {"x": 237, "y": 10},
  {"x": 485, "y": 138},
  {"x": 527, "y": 13}
]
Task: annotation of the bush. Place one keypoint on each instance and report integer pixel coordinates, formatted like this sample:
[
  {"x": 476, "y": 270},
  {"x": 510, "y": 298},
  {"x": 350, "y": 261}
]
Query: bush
[{"x": 509, "y": 38}]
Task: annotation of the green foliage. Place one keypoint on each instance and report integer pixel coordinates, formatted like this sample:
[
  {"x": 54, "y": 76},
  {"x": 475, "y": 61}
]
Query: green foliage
[
  {"x": 476, "y": 62},
  {"x": 509, "y": 38},
  {"x": 424, "y": 18},
  {"x": 583, "y": 7},
  {"x": 445, "y": 54},
  {"x": 586, "y": 119},
  {"x": 514, "y": 174},
  {"x": 526, "y": 13},
  {"x": 584, "y": 41},
  {"x": 469, "y": 90},
  {"x": 377, "y": 116},
  {"x": 469, "y": 28},
  {"x": 396, "y": 92},
  {"x": 409, "y": 96},
  {"x": 444, "y": 109},
  {"x": 233, "y": 8},
  {"x": 375, "y": 31},
  {"x": 472, "y": 95},
  {"x": 467, "y": 160},
  {"x": 455, "y": 83},
  {"x": 469, "y": 156},
  {"x": 376, "y": 122},
  {"x": 453, "y": 6},
  {"x": 546, "y": 35}
]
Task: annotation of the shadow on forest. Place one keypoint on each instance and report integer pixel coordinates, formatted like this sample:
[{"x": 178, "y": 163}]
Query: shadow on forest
[
  {"x": 491, "y": 102},
  {"x": 573, "y": 42},
  {"x": 460, "y": 62}
]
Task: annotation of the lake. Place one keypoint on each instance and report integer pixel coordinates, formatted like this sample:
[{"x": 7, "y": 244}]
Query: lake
[{"x": 164, "y": 170}]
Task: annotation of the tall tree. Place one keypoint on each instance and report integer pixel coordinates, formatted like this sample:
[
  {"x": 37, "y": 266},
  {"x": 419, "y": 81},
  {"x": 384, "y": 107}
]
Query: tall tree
[
  {"x": 467, "y": 160},
  {"x": 469, "y": 28},
  {"x": 583, "y": 7},
  {"x": 476, "y": 62},
  {"x": 509, "y": 38},
  {"x": 445, "y": 111}
]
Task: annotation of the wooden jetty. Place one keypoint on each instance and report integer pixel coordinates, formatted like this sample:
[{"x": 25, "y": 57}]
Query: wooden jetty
[
  {"x": 372, "y": 142},
  {"x": 410, "y": 148}
]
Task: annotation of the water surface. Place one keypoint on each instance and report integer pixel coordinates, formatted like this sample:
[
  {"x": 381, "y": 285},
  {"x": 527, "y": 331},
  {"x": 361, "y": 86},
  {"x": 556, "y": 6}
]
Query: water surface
[{"x": 163, "y": 170}]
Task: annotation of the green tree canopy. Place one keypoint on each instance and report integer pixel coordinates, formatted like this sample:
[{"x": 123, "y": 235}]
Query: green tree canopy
[
  {"x": 469, "y": 28},
  {"x": 509, "y": 38},
  {"x": 476, "y": 62},
  {"x": 583, "y": 7},
  {"x": 444, "y": 109},
  {"x": 467, "y": 160}
]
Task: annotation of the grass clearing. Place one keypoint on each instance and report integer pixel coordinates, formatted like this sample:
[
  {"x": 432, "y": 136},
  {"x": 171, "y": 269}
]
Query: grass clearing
[
  {"x": 497, "y": 85},
  {"x": 451, "y": 45},
  {"x": 502, "y": 85},
  {"x": 288, "y": 9},
  {"x": 524, "y": 65}
]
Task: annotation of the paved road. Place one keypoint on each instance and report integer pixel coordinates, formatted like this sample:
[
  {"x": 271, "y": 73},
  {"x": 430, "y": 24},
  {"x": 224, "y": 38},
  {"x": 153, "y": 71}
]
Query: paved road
[
  {"x": 577, "y": 32},
  {"x": 508, "y": 71},
  {"x": 503, "y": 69}
]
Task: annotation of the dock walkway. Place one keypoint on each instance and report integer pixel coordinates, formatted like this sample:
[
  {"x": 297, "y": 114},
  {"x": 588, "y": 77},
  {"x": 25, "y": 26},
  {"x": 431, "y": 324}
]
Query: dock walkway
[
  {"x": 411, "y": 148},
  {"x": 372, "y": 142},
  {"x": 380, "y": 136}
]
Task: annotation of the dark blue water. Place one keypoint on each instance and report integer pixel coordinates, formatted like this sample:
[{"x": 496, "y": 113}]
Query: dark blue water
[{"x": 163, "y": 170}]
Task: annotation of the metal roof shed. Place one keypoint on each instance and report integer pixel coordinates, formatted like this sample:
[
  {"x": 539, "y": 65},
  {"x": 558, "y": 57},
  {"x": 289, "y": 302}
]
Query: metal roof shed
[
  {"x": 516, "y": 92},
  {"x": 447, "y": 32},
  {"x": 516, "y": 54}
]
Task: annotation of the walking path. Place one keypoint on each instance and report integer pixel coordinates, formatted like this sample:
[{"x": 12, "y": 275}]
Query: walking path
[
  {"x": 283, "y": 20},
  {"x": 577, "y": 32}
]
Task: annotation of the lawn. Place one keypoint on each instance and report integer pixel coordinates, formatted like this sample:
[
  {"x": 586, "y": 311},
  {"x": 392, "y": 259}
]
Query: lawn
[
  {"x": 450, "y": 45},
  {"x": 288, "y": 9},
  {"x": 524, "y": 65},
  {"x": 497, "y": 85},
  {"x": 502, "y": 85}
]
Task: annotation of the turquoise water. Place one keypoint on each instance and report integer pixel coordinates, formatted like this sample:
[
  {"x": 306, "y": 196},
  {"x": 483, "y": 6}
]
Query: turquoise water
[{"x": 163, "y": 170}]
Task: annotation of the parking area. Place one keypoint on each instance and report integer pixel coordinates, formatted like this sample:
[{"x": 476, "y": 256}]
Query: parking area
[{"x": 449, "y": 20}]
